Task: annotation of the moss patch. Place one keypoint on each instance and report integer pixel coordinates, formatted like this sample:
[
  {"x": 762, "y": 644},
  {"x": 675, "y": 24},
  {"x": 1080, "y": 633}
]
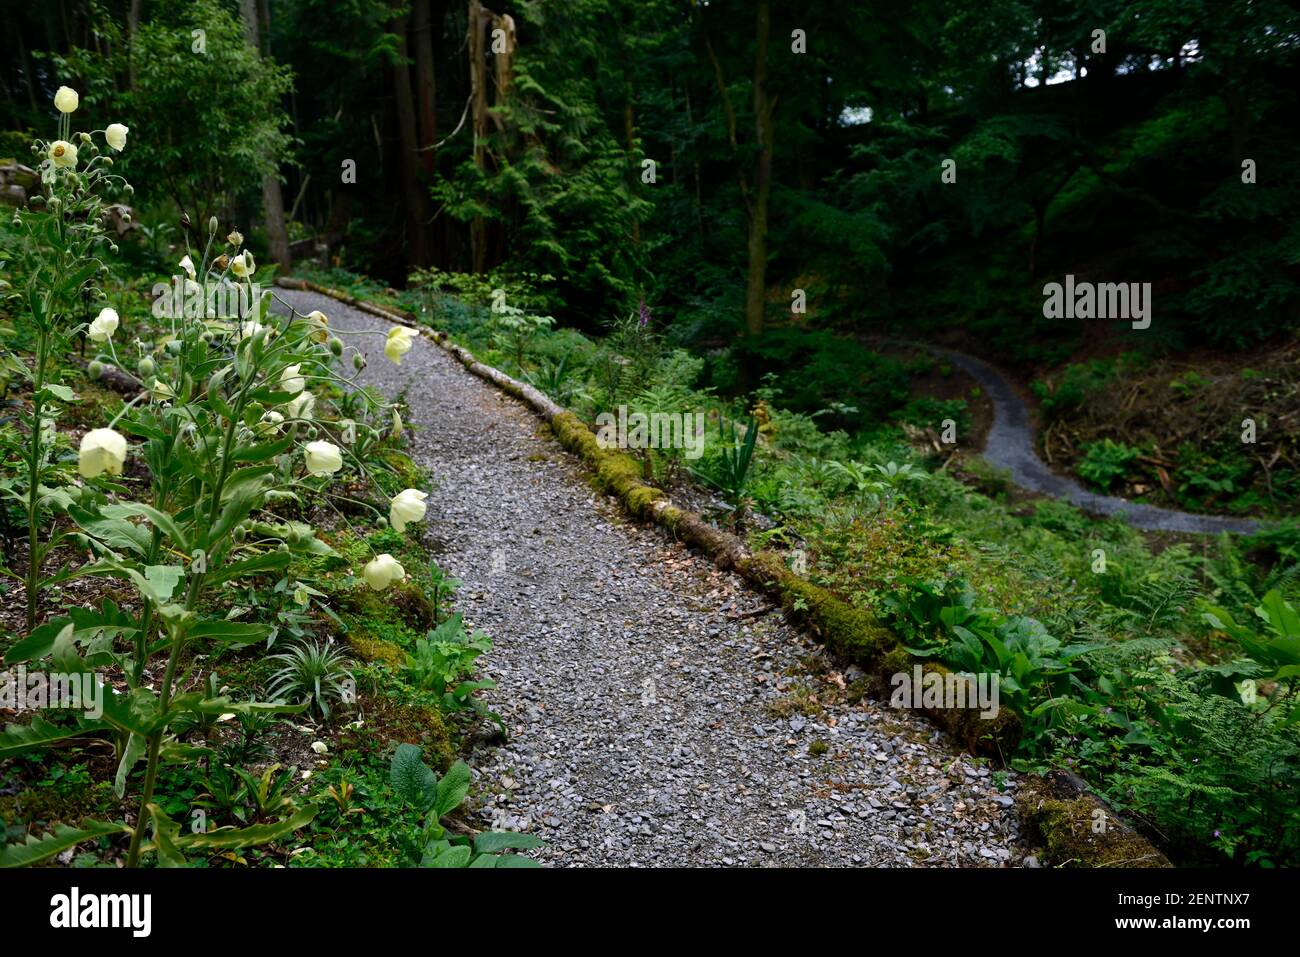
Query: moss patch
[
  {"x": 1078, "y": 830},
  {"x": 368, "y": 648},
  {"x": 402, "y": 603},
  {"x": 389, "y": 722}
]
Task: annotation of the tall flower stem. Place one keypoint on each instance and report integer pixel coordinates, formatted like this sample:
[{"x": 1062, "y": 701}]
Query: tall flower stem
[{"x": 36, "y": 456}]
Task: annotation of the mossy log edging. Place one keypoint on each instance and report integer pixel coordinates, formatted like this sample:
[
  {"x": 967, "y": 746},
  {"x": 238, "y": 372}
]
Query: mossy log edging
[{"x": 1061, "y": 809}]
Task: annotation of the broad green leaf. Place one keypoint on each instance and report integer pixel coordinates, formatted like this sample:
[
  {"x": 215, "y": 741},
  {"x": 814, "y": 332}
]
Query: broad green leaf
[
  {"x": 61, "y": 392},
  {"x": 161, "y": 520},
  {"x": 236, "y": 509},
  {"x": 452, "y": 789},
  {"x": 515, "y": 860},
  {"x": 117, "y": 533},
  {"x": 162, "y": 581},
  {"x": 230, "y": 632},
  {"x": 194, "y": 703},
  {"x": 412, "y": 779},
  {"x": 38, "y": 644},
  {"x": 490, "y": 842},
  {"x": 136, "y": 711},
  {"x": 262, "y": 451},
  {"x": 450, "y": 857},
  {"x": 156, "y": 583},
  {"x": 1279, "y": 614}
]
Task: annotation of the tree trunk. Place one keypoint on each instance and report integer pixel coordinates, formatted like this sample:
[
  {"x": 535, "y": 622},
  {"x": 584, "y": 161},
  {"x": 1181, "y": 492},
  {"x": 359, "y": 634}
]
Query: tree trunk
[
  {"x": 478, "y": 86},
  {"x": 277, "y": 238},
  {"x": 132, "y": 28},
  {"x": 629, "y": 130},
  {"x": 423, "y": 38},
  {"x": 756, "y": 284},
  {"x": 412, "y": 188},
  {"x": 504, "y": 63},
  {"x": 695, "y": 168}
]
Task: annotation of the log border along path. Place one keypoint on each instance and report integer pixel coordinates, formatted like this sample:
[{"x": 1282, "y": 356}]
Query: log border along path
[{"x": 655, "y": 715}]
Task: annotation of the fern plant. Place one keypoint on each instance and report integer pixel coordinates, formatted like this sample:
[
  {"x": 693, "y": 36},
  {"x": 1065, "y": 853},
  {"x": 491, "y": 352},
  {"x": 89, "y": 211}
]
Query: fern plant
[{"x": 1105, "y": 461}]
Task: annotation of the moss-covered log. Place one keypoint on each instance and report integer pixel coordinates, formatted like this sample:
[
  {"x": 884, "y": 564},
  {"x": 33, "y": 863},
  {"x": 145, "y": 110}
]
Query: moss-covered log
[{"x": 1078, "y": 829}]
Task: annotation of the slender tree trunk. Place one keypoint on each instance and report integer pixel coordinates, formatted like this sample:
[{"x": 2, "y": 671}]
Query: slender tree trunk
[
  {"x": 408, "y": 134},
  {"x": 503, "y": 60},
  {"x": 478, "y": 86},
  {"x": 423, "y": 38},
  {"x": 629, "y": 130},
  {"x": 695, "y": 168},
  {"x": 277, "y": 237},
  {"x": 132, "y": 28},
  {"x": 425, "y": 32},
  {"x": 756, "y": 284}
]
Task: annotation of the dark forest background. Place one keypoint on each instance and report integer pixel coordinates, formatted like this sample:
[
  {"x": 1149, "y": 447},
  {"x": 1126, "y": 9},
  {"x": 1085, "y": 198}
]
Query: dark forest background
[{"x": 519, "y": 143}]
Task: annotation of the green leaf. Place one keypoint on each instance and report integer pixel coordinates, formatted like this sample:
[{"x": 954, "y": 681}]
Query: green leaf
[
  {"x": 38, "y": 644},
  {"x": 194, "y": 703},
  {"x": 490, "y": 842},
  {"x": 452, "y": 789},
  {"x": 157, "y": 583},
  {"x": 165, "y": 833},
  {"x": 117, "y": 533},
  {"x": 34, "y": 849},
  {"x": 450, "y": 857},
  {"x": 268, "y": 562},
  {"x": 61, "y": 392},
  {"x": 131, "y": 755},
  {"x": 136, "y": 711},
  {"x": 162, "y": 581},
  {"x": 237, "y": 837},
  {"x": 236, "y": 509},
  {"x": 230, "y": 632},
  {"x": 17, "y": 738},
  {"x": 161, "y": 520},
  {"x": 263, "y": 450},
  {"x": 412, "y": 779}
]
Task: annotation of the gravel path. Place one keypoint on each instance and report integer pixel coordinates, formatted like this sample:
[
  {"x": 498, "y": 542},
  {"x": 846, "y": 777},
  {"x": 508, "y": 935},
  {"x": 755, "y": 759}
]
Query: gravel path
[
  {"x": 649, "y": 723},
  {"x": 1010, "y": 446}
]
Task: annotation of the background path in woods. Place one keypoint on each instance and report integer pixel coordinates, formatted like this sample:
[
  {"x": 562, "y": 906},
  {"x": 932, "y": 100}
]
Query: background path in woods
[
  {"x": 649, "y": 720},
  {"x": 1010, "y": 445}
]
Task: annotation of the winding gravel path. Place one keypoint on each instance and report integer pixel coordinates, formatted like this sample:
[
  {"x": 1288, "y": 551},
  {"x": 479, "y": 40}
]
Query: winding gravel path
[
  {"x": 1010, "y": 446},
  {"x": 650, "y": 722}
]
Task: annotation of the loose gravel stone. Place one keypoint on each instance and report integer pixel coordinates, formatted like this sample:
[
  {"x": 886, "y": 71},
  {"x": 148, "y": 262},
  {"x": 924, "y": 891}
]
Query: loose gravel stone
[{"x": 642, "y": 710}]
